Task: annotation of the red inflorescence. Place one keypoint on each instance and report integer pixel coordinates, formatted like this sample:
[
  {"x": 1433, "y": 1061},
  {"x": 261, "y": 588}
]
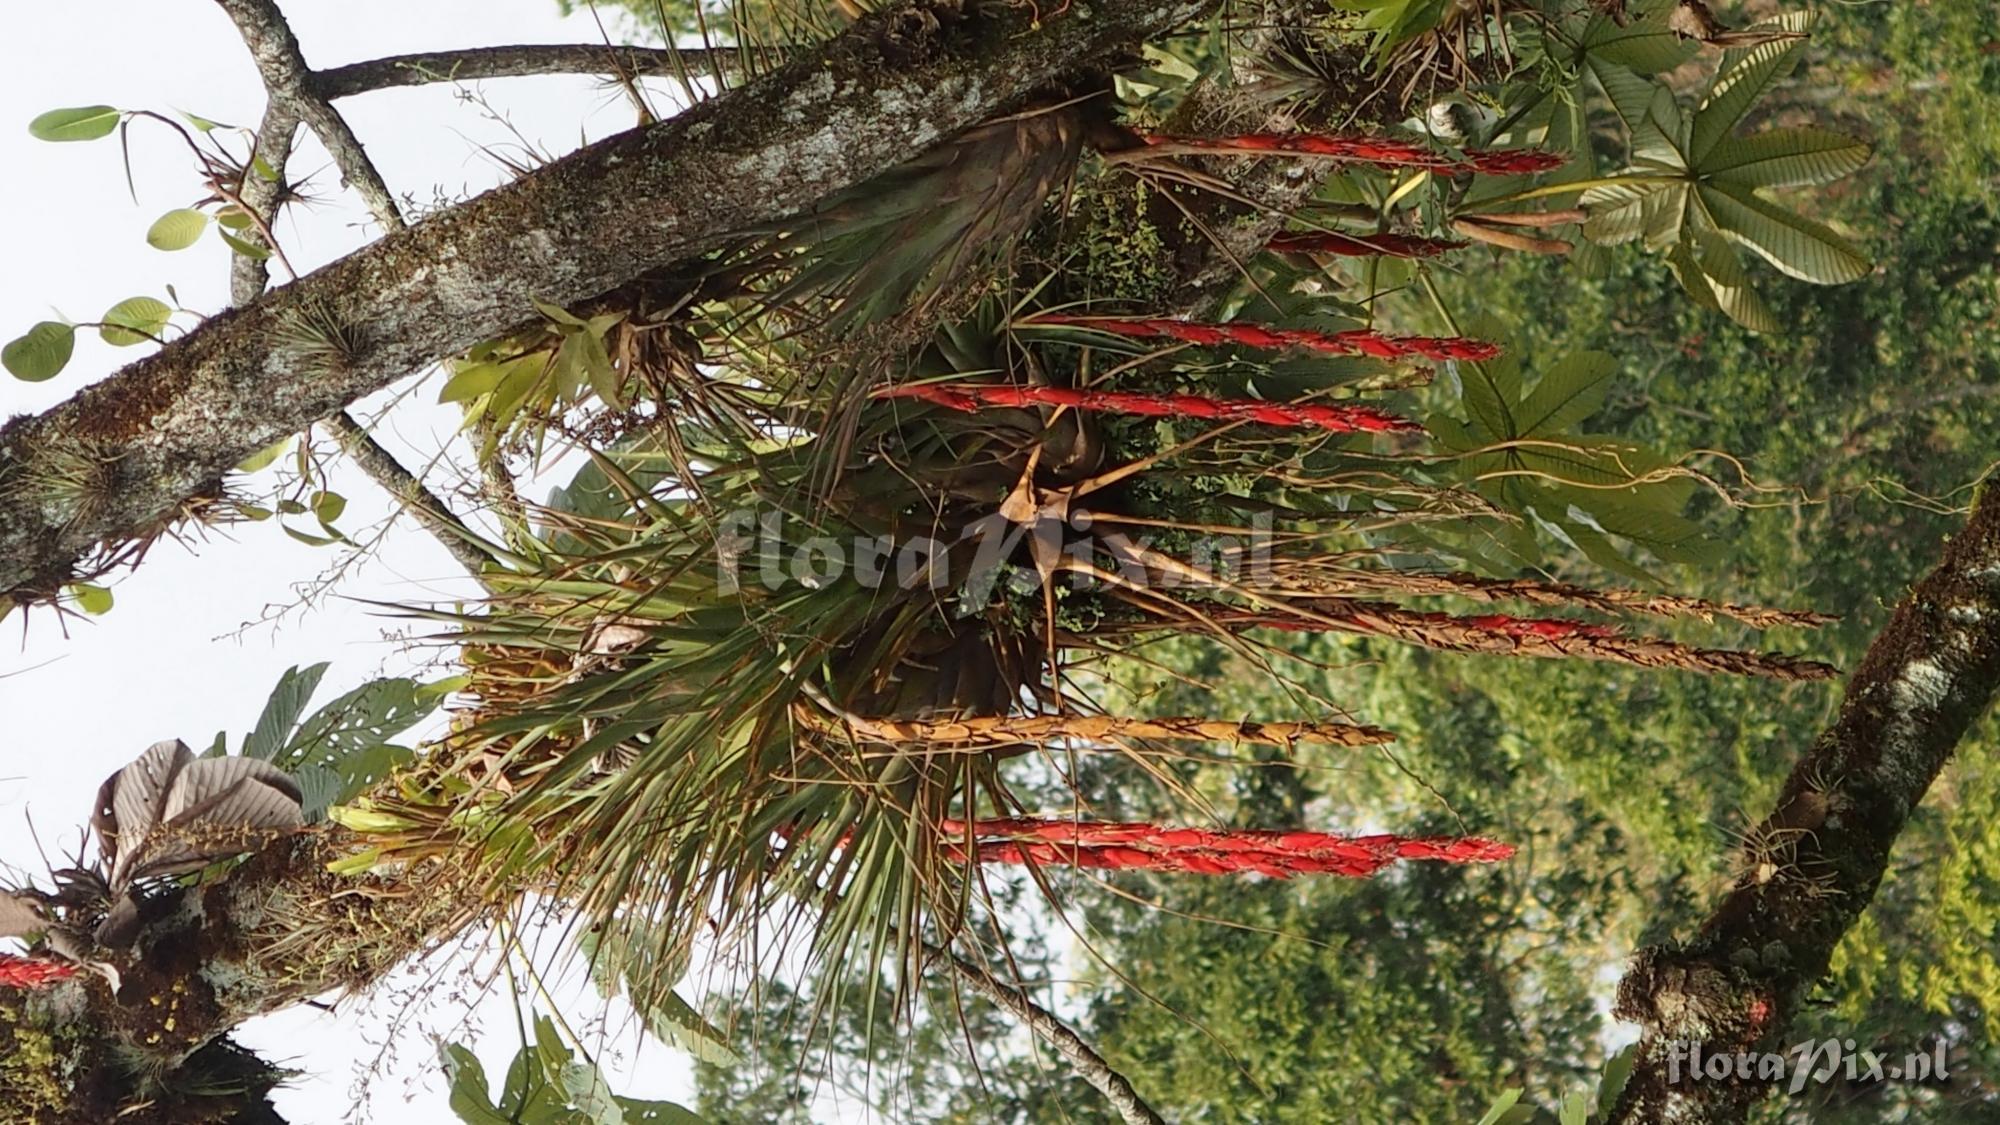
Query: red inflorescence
[
  {"x": 1361, "y": 245},
  {"x": 970, "y": 397},
  {"x": 32, "y": 972},
  {"x": 1148, "y": 847},
  {"x": 1359, "y": 341},
  {"x": 1380, "y": 151},
  {"x": 1554, "y": 628}
]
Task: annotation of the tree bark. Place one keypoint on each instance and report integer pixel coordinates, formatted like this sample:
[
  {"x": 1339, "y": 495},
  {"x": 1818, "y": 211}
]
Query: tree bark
[
  {"x": 1813, "y": 865},
  {"x": 170, "y": 426}
]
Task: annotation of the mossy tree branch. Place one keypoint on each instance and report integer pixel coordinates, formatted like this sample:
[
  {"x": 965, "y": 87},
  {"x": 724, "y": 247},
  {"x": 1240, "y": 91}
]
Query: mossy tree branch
[
  {"x": 171, "y": 425},
  {"x": 1818, "y": 858}
]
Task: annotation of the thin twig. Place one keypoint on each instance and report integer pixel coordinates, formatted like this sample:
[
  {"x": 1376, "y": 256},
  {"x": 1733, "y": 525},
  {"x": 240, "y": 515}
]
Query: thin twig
[
  {"x": 476, "y": 63},
  {"x": 407, "y": 490},
  {"x": 292, "y": 100},
  {"x": 1063, "y": 1039}
]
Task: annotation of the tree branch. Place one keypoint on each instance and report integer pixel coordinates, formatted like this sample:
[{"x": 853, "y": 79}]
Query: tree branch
[
  {"x": 250, "y": 276},
  {"x": 171, "y": 425},
  {"x": 408, "y": 491},
  {"x": 1089, "y": 1065},
  {"x": 291, "y": 100},
  {"x": 1816, "y": 861},
  {"x": 476, "y": 63},
  {"x": 289, "y": 81}
]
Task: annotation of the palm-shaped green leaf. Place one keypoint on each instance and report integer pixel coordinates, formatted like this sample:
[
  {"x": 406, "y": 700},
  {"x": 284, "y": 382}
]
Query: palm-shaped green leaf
[
  {"x": 1594, "y": 52},
  {"x": 1522, "y": 453},
  {"x": 1692, "y": 189}
]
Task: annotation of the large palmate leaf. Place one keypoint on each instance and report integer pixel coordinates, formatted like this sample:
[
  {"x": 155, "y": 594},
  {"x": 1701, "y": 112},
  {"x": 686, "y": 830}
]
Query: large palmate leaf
[
  {"x": 1592, "y": 54},
  {"x": 1693, "y": 187},
  {"x": 1523, "y": 454},
  {"x": 169, "y": 812},
  {"x": 548, "y": 1085}
]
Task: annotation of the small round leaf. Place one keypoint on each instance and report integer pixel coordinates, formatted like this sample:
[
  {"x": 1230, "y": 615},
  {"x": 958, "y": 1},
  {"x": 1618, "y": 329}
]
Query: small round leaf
[
  {"x": 81, "y": 123},
  {"x": 41, "y": 353},
  {"x": 135, "y": 320},
  {"x": 328, "y": 506},
  {"x": 177, "y": 230},
  {"x": 93, "y": 600}
]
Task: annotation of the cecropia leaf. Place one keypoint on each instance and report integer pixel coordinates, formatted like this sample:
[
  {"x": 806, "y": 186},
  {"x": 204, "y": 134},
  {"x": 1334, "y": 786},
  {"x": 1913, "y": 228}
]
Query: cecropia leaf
[{"x": 169, "y": 812}]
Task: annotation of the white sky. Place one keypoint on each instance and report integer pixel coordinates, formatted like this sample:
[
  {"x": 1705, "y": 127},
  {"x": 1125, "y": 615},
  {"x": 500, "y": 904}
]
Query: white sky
[{"x": 174, "y": 659}]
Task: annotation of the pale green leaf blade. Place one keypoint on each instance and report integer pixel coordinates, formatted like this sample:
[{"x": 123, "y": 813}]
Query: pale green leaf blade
[
  {"x": 41, "y": 353},
  {"x": 1743, "y": 78},
  {"x": 1795, "y": 244},
  {"x": 177, "y": 229},
  {"x": 1730, "y": 284},
  {"x": 244, "y": 247},
  {"x": 135, "y": 320},
  {"x": 264, "y": 457},
  {"x": 80, "y": 123},
  {"x": 1792, "y": 157},
  {"x": 92, "y": 599}
]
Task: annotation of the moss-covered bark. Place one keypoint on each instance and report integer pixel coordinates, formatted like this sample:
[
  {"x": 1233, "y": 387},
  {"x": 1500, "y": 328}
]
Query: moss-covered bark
[
  {"x": 1813, "y": 865},
  {"x": 277, "y": 930},
  {"x": 169, "y": 426}
]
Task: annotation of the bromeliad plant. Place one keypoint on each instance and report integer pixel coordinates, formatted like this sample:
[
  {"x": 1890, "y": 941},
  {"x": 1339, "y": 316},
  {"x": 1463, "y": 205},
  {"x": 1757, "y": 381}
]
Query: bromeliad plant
[
  {"x": 776, "y": 656},
  {"x": 873, "y": 498}
]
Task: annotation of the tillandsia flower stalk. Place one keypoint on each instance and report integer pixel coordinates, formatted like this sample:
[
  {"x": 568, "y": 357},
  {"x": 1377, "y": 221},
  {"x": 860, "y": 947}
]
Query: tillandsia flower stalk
[
  {"x": 1534, "y": 591},
  {"x": 1361, "y": 245},
  {"x": 1339, "y": 419},
  {"x": 1492, "y": 624},
  {"x": 1515, "y": 636},
  {"x": 1380, "y": 151},
  {"x": 1201, "y": 851},
  {"x": 32, "y": 972},
  {"x": 1358, "y": 341}
]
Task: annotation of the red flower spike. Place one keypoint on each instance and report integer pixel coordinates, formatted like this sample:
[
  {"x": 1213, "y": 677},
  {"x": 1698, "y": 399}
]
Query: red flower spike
[
  {"x": 1359, "y": 341},
  {"x": 1380, "y": 151},
  {"x": 1361, "y": 245},
  {"x": 1339, "y": 419},
  {"x": 1146, "y": 847},
  {"x": 32, "y": 972}
]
